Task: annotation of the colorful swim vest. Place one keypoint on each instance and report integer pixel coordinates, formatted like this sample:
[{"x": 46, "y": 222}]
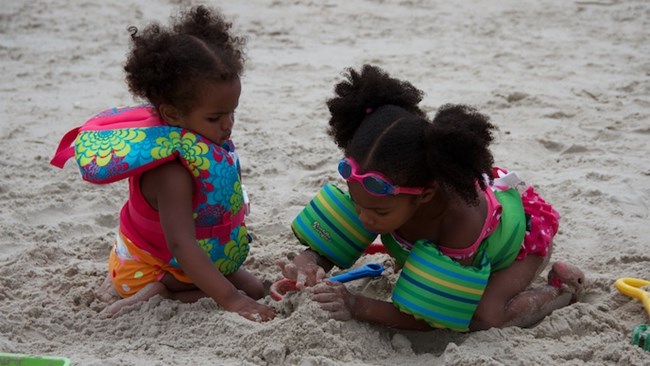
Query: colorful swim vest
[
  {"x": 124, "y": 142},
  {"x": 431, "y": 286}
]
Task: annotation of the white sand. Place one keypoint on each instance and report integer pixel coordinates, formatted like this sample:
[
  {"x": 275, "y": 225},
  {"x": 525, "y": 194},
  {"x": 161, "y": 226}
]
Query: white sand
[{"x": 567, "y": 82}]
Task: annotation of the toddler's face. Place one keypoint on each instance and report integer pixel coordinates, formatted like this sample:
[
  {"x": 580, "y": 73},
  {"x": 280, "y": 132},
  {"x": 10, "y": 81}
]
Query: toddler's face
[
  {"x": 214, "y": 114},
  {"x": 381, "y": 215}
]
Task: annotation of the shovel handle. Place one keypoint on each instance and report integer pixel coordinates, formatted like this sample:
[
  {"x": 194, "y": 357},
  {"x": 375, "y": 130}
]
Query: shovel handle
[
  {"x": 369, "y": 270},
  {"x": 280, "y": 288},
  {"x": 631, "y": 287}
]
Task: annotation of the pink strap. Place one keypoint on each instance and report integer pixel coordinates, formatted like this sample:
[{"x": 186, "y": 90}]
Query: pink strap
[
  {"x": 222, "y": 231},
  {"x": 491, "y": 222},
  {"x": 65, "y": 150}
]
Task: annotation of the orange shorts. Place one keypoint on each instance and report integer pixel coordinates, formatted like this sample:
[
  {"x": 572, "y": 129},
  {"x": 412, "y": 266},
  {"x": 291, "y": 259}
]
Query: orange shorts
[{"x": 132, "y": 268}]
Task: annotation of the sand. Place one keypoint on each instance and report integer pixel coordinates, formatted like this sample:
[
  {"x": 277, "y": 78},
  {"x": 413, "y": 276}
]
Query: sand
[{"x": 567, "y": 82}]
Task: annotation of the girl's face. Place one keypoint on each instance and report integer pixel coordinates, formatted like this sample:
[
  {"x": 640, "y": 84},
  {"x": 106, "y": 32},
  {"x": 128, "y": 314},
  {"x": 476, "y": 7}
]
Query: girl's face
[
  {"x": 213, "y": 116},
  {"x": 384, "y": 214}
]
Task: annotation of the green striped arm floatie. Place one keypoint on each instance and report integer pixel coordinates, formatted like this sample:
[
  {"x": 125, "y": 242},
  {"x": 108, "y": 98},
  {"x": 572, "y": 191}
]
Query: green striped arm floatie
[
  {"x": 330, "y": 226},
  {"x": 439, "y": 290}
]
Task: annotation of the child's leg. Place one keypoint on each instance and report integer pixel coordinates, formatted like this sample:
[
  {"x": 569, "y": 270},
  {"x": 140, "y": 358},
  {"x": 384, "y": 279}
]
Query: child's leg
[
  {"x": 507, "y": 302},
  {"x": 188, "y": 292},
  {"x": 134, "y": 275},
  {"x": 106, "y": 292},
  {"x": 245, "y": 281},
  {"x": 181, "y": 291},
  {"x": 148, "y": 291}
]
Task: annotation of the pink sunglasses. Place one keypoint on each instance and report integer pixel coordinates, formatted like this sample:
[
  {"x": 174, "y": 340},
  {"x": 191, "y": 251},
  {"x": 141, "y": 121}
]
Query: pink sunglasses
[{"x": 374, "y": 183}]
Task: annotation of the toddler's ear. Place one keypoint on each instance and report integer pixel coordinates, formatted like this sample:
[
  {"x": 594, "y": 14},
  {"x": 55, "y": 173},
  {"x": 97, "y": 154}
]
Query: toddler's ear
[
  {"x": 428, "y": 193},
  {"x": 170, "y": 114}
]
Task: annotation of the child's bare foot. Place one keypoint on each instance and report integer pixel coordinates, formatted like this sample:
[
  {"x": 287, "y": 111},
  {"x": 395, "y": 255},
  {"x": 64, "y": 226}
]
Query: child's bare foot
[
  {"x": 567, "y": 277},
  {"x": 249, "y": 308},
  {"x": 147, "y": 292},
  {"x": 106, "y": 292}
]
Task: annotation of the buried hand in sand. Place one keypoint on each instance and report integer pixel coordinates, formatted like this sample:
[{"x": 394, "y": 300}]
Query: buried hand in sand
[
  {"x": 470, "y": 238},
  {"x": 182, "y": 233}
]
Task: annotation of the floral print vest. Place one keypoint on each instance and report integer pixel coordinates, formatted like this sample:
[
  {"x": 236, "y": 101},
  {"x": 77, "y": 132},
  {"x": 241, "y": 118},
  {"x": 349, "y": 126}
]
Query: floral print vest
[{"x": 124, "y": 142}]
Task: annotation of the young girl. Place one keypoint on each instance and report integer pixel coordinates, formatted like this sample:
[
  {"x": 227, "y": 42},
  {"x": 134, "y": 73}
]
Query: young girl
[
  {"x": 469, "y": 242},
  {"x": 182, "y": 233}
]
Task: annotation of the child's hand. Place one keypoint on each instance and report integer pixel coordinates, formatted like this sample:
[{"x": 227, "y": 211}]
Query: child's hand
[
  {"x": 305, "y": 273},
  {"x": 249, "y": 308},
  {"x": 335, "y": 299}
]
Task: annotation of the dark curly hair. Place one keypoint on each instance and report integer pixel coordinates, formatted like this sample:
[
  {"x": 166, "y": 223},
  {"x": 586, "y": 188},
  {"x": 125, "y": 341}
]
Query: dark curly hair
[
  {"x": 376, "y": 120},
  {"x": 168, "y": 65}
]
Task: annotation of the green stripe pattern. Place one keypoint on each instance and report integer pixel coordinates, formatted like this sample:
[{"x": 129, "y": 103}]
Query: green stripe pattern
[
  {"x": 504, "y": 243},
  {"x": 445, "y": 294},
  {"x": 330, "y": 226},
  {"x": 394, "y": 248},
  {"x": 438, "y": 290}
]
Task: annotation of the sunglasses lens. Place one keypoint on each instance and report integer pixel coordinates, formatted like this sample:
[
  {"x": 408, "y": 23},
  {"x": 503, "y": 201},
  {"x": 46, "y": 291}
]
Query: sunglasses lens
[
  {"x": 376, "y": 186},
  {"x": 345, "y": 169}
]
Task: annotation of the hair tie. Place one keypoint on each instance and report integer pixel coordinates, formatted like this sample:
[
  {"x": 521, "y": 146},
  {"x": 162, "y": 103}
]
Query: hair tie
[{"x": 368, "y": 110}]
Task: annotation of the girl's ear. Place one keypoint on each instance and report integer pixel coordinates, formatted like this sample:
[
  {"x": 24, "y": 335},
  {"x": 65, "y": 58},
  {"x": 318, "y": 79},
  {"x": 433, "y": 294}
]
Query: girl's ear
[
  {"x": 428, "y": 193},
  {"x": 170, "y": 114}
]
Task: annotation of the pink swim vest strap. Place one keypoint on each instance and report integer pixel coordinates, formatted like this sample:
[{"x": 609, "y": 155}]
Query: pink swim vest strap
[
  {"x": 223, "y": 230},
  {"x": 491, "y": 222},
  {"x": 65, "y": 150},
  {"x": 152, "y": 227}
]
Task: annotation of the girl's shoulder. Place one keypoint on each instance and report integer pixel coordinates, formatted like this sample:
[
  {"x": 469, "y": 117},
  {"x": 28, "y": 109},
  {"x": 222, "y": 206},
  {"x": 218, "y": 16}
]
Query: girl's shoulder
[{"x": 463, "y": 224}]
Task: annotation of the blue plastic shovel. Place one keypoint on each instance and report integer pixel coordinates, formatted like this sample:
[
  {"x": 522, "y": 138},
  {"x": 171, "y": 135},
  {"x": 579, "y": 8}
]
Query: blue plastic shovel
[
  {"x": 281, "y": 287},
  {"x": 369, "y": 270}
]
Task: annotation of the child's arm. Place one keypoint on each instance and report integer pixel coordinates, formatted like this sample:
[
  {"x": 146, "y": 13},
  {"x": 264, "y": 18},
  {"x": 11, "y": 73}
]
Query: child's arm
[
  {"x": 343, "y": 305},
  {"x": 382, "y": 312},
  {"x": 338, "y": 301},
  {"x": 173, "y": 195}
]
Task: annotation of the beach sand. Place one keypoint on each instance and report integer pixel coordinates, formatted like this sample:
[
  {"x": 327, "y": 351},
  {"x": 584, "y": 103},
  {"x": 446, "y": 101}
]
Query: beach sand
[{"x": 566, "y": 82}]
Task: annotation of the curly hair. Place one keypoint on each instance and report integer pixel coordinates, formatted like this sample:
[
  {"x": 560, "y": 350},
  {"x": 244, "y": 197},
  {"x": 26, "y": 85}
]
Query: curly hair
[
  {"x": 376, "y": 120},
  {"x": 168, "y": 64},
  {"x": 363, "y": 93}
]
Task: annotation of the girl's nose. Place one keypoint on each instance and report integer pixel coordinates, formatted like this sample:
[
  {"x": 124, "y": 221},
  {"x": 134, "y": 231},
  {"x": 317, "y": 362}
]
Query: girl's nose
[
  {"x": 228, "y": 122},
  {"x": 364, "y": 217}
]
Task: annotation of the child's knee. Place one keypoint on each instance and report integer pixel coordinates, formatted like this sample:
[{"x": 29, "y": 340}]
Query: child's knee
[
  {"x": 489, "y": 314},
  {"x": 483, "y": 320}
]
